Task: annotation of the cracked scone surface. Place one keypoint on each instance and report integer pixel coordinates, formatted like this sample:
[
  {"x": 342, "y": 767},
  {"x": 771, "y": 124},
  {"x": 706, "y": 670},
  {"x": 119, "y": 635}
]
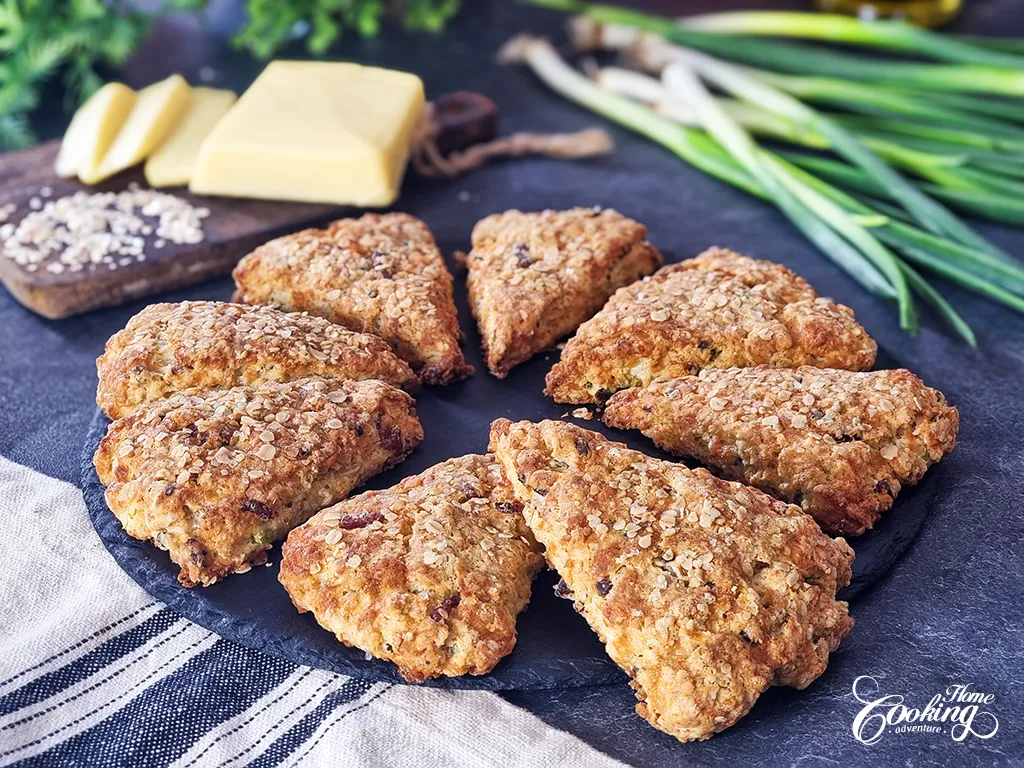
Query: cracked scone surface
[
  {"x": 718, "y": 310},
  {"x": 535, "y": 277},
  {"x": 213, "y": 344},
  {"x": 216, "y": 476},
  {"x": 379, "y": 274},
  {"x": 704, "y": 591},
  {"x": 839, "y": 444},
  {"x": 429, "y": 574}
]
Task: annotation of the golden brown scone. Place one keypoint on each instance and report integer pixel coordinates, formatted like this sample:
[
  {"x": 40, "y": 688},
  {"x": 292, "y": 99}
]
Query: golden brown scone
[
  {"x": 719, "y": 310},
  {"x": 839, "y": 444},
  {"x": 704, "y": 591},
  {"x": 379, "y": 274},
  {"x": 534, "y": 277},
  {"x": 213, "y": 344},
  {"x": 429, "y": 574},
  {"x": 215, "y": 476}
]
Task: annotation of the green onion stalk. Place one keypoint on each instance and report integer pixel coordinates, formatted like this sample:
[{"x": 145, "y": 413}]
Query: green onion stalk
[
  {"x": 890, "y": 35},
  {"x": 798, "y": 59},
  {"x": 924, "y": 209}
]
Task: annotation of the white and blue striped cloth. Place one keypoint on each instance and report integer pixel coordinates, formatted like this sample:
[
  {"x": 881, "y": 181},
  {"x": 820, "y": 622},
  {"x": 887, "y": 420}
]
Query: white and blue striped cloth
[{"x": 94, "y": 673}]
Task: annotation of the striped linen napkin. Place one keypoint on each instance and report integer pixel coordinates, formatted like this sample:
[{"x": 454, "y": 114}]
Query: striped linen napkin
[{"x": 94, "y": 673}]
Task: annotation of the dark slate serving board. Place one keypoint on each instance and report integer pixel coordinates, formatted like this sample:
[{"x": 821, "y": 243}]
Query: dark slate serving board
[{"x": 555, "y": 647}]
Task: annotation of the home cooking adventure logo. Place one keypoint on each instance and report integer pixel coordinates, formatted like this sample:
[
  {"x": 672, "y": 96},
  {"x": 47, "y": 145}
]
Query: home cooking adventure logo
[{"x": 958, "y": 711}]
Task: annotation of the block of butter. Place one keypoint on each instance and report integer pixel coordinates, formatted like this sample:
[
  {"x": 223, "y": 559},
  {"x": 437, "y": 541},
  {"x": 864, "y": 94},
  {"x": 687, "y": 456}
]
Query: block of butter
[
  {"x": 93, "y": 129},
  {"x": 173, "y": 162},
  {"x": 156, "y": 111},
  {"x": 322, "y": 132}
]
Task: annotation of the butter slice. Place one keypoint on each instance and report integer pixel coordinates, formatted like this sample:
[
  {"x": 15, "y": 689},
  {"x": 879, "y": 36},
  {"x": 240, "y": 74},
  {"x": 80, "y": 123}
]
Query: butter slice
[
  {"x": 322, "y": 132},
  {"x": 157, "y": 110},
  {"x": 93, "y": 128},
  {"x": 173, "y": 163}
]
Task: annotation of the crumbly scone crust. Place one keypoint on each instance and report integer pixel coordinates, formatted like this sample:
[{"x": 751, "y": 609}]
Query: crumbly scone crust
[
  {"x": 535, "y": 277},
  {"x": 719, "y": 310},
  {"x": 703, "y": 590},
  {"x": 379, "y": 274},
  {"x": 430, "y": 574},
  {"x": 214, "y": 344},
  {"x": 216, "y": 476},
  {"x": 839, "y": 444}
]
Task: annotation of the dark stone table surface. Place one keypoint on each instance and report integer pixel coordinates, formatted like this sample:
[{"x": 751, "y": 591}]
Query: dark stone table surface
[{"x": 949, "y": 612}]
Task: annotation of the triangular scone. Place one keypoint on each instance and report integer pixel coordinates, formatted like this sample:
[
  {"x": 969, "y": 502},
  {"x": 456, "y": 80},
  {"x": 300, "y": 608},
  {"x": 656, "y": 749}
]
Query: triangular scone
[
  {"x": 719, "y": 310},
  {"x": 215, "y": 476},
  {"x": 430, "y": 574},
  {"x": 379, "y": 274},
  {"x": 212, "y": 344},
  {"x": 534, "y": 277},
  {"x": 837, "y": 443},
  {"x": 704, "y": 591}
]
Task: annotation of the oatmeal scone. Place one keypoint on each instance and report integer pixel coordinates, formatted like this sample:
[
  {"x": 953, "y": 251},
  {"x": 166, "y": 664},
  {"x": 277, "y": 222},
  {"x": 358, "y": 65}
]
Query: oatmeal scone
[
  {"x": 534, "y": 277},
  {"x": 704, "y": 591},
  {"x": 379, "y": 274},
  {"x": 719, "y": 310},
  {"x": 839, "y": 444},
  {"x": 213, "y": 344},
  {"x": 215, "y": 476},
  {"x": 430, "y": 574}
]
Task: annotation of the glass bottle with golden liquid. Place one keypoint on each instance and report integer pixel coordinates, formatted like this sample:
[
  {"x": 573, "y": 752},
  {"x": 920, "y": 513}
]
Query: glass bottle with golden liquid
[{"x": 926, "y": 13}]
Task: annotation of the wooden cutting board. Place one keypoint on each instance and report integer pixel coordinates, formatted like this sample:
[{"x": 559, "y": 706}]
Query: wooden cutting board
[{"x": 234, "y": 228}]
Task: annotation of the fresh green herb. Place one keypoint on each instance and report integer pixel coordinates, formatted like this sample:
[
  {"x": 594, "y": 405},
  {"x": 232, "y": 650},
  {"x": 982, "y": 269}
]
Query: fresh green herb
[
  {"x": 274, "y": 23},
  {"x": 40, "y": 38}
]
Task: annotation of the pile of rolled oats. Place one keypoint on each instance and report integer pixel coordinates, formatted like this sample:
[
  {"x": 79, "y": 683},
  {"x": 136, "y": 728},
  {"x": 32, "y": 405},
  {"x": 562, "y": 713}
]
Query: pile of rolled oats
[{"x": 103, "y": 230}]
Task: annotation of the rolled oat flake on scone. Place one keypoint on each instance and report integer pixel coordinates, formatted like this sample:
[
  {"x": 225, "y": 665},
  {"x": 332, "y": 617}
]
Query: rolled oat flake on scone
[
  {"x": 215, "y": 476},
  {"x": 706, "y": 592},
  {"x": 213, "y": 344},
  {"x": 719, "y": 310},
  {"x": 430, "y": 574},
  {"x": 379, "y": 274},
  {"x": 535, "y": 277},
  {"x": 840, "y": 444}
]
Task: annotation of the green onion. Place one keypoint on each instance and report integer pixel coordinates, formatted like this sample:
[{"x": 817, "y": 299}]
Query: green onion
[
  {"x": 985, "y": 205},
  {"x": 1007, "y": 109},
  {"x": 872, "y": 100},
  {"x": 761, "y": 122},
  {"x": 903, "y": 236},
  {"x": 736, "y": 81},
  {"x": 936, "y": 301},
  {"x": 891, "y": 35},
  {"x": 949, "y": 136},
  {"x": 820, "y": 226},
  {"x": 790, "y": 57},
  {"x": 1011, "y": 44}
]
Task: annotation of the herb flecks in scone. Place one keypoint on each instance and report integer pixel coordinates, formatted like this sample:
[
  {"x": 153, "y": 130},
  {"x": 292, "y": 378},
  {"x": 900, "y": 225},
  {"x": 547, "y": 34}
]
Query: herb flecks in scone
[
  {"x": 212, "y": 344},
  {"x": 379, "y": 274},
  {"x": 719, "y": 310},
  {"x": 430, "y": 574},
  {"x": 535, "y": 277},
  {"x": 839, "y": 444},
  {"x": 704, "y": 591},
  {"x": 215, "y": 476}
]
